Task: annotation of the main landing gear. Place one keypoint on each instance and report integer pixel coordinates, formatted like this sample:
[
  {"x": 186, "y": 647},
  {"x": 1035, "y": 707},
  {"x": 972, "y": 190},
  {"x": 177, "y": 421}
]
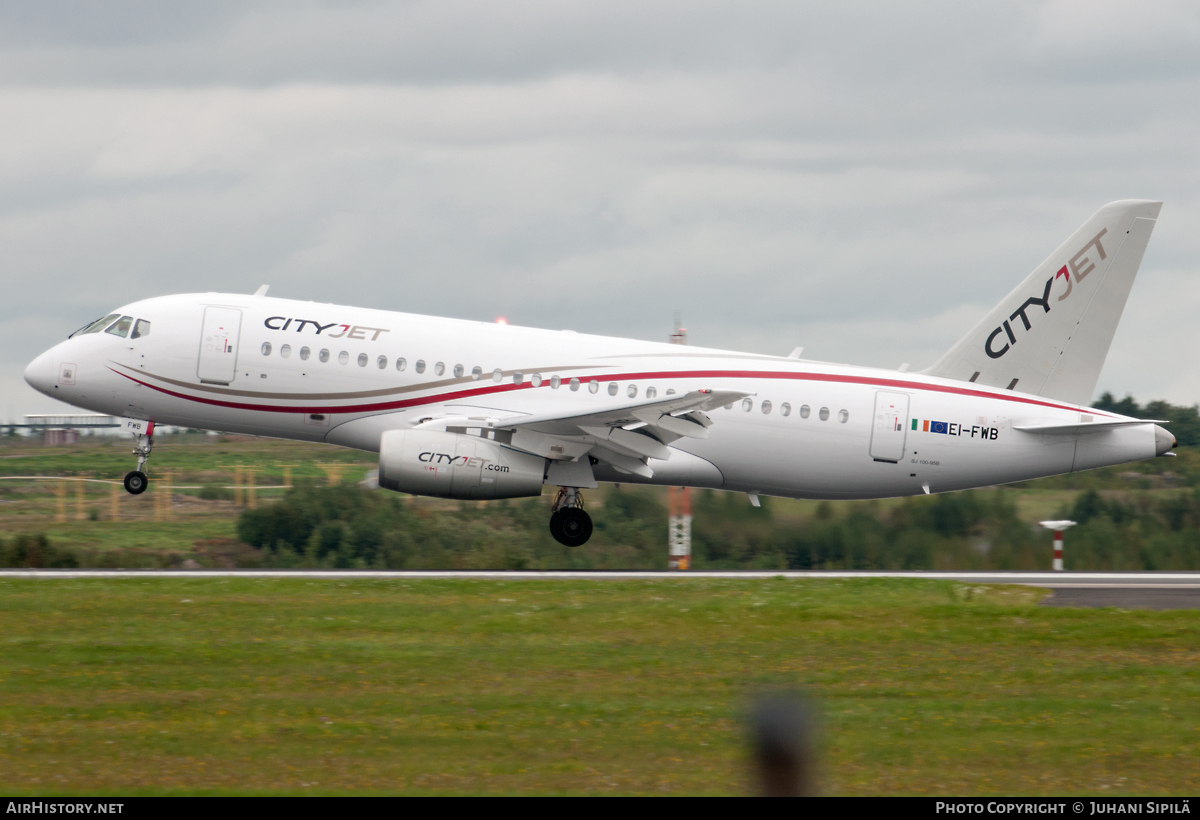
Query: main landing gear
[
  {"x": 135, "y": 480},
  {"x": 569, "y": 524}
]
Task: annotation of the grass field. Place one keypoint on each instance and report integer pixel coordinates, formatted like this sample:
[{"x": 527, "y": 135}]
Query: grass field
[{"x": 462, "y": 686}]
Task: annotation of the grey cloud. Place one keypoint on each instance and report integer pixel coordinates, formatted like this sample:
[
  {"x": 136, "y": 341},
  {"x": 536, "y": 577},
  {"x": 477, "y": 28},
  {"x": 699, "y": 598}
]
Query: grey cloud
[{"x": 845, "y": 44}]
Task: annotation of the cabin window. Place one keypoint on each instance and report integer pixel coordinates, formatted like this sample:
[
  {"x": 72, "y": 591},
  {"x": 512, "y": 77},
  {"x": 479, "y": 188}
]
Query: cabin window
[
  {"x": 266, "y": 349},
  {"x": 804, "y": 411},
  {"x": 439, "y": 368},
  {"x": 671, "y": 392},
  {"x": 285, "y": 351},
  {"x": 824, "y": 414},
  {"x": 419, "y": 366},
  {"x": 381, "y": 362},
  {"x": 476, "y": 372},
  {"x": 343, "y": 357},
  {"x": 497, "y": 375},
  {"x": 458, "y": 371},
  {"x": 324, "y": 354},
  {"x": 613, "y": 387},
  {"x": 843, "y": 416},
  {"x": 593, "y": 386},
  {"x": 518, "y": 377},
  {"x": 304, "y": 354},
  {"x": 98, "y": 325},
  {"x": 574, "y": 385},
  {"x": 121, "y": 327},
  {"x": 747, "y": 405},
  {"x": 536, "y": 379},
  {"x": 555, "y": 381},
  {"x": 363, "y": 358},
  {"x": 401, "y": 363},
  {"x": 785, "y": 409},
  {"x": 141, "y": 328},
  {"x": 651, "y": 392},
  {"x": 766, "y": 408},
  {"x": 631, "y": 391}
]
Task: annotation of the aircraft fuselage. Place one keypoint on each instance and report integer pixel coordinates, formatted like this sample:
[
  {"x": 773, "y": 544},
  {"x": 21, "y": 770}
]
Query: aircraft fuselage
[{"x": 343, "y": 375}]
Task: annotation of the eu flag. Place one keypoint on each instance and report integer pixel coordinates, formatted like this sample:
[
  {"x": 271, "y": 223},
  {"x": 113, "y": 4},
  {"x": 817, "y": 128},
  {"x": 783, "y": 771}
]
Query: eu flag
[{"x": 939, "y": 427}]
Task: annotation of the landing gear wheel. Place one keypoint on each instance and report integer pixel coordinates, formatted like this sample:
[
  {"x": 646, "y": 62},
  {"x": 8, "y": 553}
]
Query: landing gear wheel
[
  {"x": 136, "y": 482},
  {"x": 571, "y": 526}
]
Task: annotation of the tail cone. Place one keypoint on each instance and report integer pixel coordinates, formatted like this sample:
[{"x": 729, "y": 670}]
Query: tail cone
[{"x": 1163, "y": 441}]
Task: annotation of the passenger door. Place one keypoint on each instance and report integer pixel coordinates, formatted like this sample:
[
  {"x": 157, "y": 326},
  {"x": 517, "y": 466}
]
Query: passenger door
[
  {"x": 219, "y": 345},
  {"x": 889, "y": 427}
]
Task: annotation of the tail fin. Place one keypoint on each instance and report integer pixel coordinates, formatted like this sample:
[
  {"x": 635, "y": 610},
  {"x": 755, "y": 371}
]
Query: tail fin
[{"x": 1050, "y": 336}]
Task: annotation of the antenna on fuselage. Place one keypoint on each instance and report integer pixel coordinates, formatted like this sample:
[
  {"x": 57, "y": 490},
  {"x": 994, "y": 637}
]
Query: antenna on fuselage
[
  {"x": 679, "y": 337},
  {"x": 262, "y": 290}
]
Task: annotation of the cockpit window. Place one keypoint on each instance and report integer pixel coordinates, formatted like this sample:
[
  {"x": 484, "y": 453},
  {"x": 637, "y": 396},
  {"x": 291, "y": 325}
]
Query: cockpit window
[
  {"x": 96, "y": 326},
  {"x": 140, "y": 329},
  {"x": 121, "y": 327}
]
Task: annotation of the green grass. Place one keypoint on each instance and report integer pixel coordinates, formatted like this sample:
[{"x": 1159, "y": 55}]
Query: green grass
[{"x": 462, "y": 686}]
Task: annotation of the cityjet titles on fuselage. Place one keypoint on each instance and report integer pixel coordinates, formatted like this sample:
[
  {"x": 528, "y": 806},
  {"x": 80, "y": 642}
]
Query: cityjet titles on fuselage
[{"x": 348, "y": 331}]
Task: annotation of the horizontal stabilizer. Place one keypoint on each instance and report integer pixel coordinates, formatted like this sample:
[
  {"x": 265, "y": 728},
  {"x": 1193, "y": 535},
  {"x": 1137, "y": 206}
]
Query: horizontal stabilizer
[{"x": 1083, "y": 427}]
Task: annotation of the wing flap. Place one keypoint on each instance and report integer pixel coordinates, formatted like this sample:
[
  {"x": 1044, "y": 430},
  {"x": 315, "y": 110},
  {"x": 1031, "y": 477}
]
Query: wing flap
[
  {"x": 680, "y": 426},
  {"x": 623, "y": 463}
]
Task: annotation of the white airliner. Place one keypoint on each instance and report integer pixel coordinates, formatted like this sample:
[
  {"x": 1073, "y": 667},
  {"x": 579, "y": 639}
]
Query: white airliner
[{"x": 472, "y": 410}]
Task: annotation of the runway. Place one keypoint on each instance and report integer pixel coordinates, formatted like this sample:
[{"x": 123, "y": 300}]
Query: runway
[
  {"x": 1129, "y": 580},
  {"x": 1127, "y": 590}
]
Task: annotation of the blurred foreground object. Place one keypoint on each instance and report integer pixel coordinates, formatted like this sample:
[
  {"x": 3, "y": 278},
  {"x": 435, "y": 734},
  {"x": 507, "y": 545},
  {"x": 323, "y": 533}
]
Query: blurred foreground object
[{"x": 781, "y": 731}]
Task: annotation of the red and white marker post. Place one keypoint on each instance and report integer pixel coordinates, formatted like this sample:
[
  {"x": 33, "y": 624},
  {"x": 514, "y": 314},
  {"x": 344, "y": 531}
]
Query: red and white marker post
[
  {"x": 1058, "y": 527},
  {"x": 679, "y": 528}
]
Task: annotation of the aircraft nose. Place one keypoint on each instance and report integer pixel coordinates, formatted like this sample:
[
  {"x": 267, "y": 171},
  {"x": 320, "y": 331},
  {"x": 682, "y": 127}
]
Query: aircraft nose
[{"x": 40, "y": 373}]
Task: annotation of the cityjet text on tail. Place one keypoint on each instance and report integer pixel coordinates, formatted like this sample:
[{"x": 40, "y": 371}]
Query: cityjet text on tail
[{"x": 470, "y": 410}]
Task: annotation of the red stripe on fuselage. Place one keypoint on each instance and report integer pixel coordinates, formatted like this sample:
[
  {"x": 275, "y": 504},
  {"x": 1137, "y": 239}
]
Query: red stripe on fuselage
[{"x": 665, "y": 374}]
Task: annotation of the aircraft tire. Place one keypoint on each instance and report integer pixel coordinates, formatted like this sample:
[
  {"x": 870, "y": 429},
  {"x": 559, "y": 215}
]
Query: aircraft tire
[
  {"x": 571, "y": 526},
  {"x": 136, "y": 482}
]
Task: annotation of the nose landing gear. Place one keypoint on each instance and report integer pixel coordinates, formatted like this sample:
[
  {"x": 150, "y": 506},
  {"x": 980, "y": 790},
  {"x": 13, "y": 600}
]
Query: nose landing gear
[
  {"x": 569, "y": 524},
  {"x": 135, "y": 480}
]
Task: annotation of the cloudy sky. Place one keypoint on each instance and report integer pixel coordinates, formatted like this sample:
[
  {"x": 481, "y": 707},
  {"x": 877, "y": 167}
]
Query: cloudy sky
[{"x": 862, "y": 179}]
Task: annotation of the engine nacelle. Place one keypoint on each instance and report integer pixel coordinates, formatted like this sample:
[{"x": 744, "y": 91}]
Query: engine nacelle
[{"x": 454, "y": 465}]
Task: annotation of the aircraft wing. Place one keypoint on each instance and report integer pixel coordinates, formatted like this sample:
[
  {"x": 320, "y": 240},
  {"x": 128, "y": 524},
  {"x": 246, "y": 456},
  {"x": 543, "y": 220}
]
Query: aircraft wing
[
  {"x": 624, "y": 436},
  {"x": 683, "y": 414}
]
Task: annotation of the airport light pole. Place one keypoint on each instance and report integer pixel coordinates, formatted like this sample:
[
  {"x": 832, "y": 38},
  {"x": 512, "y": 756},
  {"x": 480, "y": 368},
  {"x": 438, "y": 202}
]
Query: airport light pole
[
  {"x": 1058, "y": 527},
  {"x": 679, "y": 502}
]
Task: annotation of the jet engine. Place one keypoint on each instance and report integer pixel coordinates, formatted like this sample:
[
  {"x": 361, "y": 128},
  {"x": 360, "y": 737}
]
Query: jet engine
[{"x": 456, "y": 465}]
